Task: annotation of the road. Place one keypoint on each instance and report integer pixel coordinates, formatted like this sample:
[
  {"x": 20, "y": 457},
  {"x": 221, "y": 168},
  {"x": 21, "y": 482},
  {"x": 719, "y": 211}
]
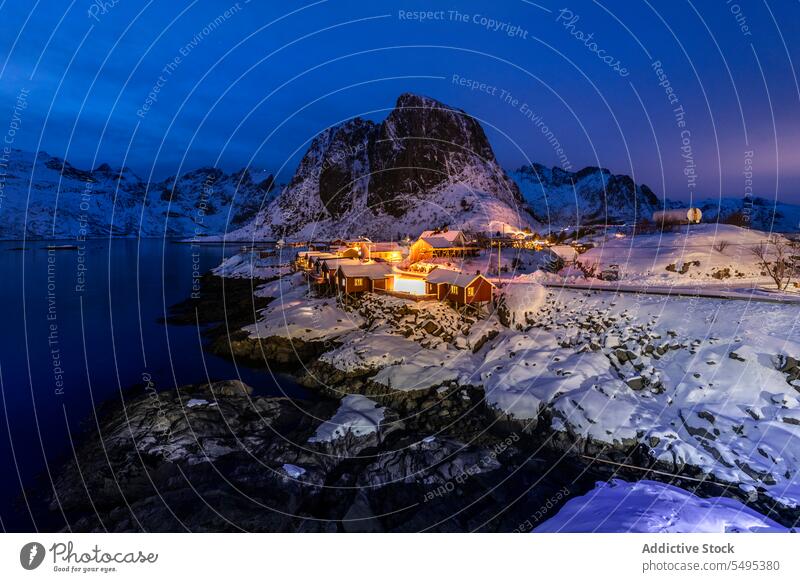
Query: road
[{"x": 708, "y": 291}]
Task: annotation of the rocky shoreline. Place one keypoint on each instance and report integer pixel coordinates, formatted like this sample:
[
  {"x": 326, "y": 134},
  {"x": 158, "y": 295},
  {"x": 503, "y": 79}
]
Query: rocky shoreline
[
  {"x": 217, "y": 458},
  {"x": 224, "y": 305}
]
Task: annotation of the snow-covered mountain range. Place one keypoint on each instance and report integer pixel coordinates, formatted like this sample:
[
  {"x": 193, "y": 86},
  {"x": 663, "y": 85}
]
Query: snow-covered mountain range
[
  {"x": 589, "y": 196},
  {"x": 46, "y": 197},
  {"x": 424, "y": 166},
  {"x": 429, "y": 164},
  {"x": 596, "y": 196}
]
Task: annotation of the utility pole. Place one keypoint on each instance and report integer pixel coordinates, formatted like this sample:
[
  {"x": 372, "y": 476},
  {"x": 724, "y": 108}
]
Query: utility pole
[{"x": 498, "y": 261}]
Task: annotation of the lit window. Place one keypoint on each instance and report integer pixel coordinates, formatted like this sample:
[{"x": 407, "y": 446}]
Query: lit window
[
  {"x": 454, "y": 289},
  {"x": 358, "y": 282},
  {"x": 470, "y": 291}
]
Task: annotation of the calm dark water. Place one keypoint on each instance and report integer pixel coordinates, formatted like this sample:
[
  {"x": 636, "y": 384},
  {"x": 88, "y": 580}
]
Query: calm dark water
[{"x": 78, "y": 329}]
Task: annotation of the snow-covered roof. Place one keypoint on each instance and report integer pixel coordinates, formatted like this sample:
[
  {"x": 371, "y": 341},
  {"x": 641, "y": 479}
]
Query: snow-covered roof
[
  {"x": 312, "y": 254},
  {"x": 383, "y": 247},
  {"x": 460, "y": 278},
  {"x": 566, "y": 252},
  {"x": 448, "y": 234},
  {"x": 443, "y": 238},
  {"x": 439, "y": 242},
  {"x": 335, "y": 262},
  {"x": 368, "y": 270},
  {"x": 320, "y": 256}
]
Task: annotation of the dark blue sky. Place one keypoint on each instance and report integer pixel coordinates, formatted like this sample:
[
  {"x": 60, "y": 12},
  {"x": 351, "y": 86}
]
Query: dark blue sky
[{"x": 252, "y": 86}]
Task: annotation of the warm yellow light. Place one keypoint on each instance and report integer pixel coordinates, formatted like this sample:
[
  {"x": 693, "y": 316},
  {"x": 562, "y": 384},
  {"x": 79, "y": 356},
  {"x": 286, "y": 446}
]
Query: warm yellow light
[{"x": 409, "y": 285}]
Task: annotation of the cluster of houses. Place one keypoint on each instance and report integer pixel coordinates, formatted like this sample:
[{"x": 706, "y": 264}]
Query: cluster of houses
[{"x": 354, "y": 267}]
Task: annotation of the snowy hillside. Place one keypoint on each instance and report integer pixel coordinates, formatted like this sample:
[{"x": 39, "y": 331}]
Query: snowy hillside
[
  {"x": 705, "y": 253},
  {"x": 590, "y": 196},
  {"x": 46, "y": 197},
  {"x": 425, "y": 165}
]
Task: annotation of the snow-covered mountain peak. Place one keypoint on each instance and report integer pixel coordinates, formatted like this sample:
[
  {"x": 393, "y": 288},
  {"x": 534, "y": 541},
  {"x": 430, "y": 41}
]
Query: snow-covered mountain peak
[{"x": 425, "y": 165}]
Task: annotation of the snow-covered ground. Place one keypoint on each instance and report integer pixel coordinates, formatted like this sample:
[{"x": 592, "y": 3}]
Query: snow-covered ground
[
  {"x": 294, "y": 315},
  {"x": 693, "y": 255},
  {"x": 248, "y": 265},
  {"x": 694, "y": 380},
  {"x": 652, "y": 507}
]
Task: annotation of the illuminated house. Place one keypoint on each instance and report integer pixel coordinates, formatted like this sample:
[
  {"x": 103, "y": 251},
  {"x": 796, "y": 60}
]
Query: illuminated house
[
  {"x": 459, "y": 287},
  {"x": 305, "y": 260},
  {"x": 349, "y": 252},
  {"x": 328, "y": 267},
  {"x": 361, "y": 277},
  {"x": 390, "y": 252},
  {"x": 441, "y": 243}
]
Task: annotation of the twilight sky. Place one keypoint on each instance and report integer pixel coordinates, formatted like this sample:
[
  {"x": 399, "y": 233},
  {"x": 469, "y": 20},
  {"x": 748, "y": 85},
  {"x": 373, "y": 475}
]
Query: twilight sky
[{"x": 686, "y": 96}]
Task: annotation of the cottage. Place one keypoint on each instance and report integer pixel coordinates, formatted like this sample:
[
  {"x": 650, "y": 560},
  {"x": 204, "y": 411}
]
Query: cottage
[
  {"x": 349, "y": 252},
  {"x": 328, "y": 267},
  {"x": 304, "y": 260},
  {"x": 362, "y": 277},
  {"x": 390, "y": 252},
  {"x": 459, "y": 287},
  {"x": 441, "y": 243},
  {"x": 314, "y": 268}
]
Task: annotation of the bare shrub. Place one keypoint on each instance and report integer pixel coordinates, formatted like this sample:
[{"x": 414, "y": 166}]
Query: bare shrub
[{"x": 778, "y": 258}]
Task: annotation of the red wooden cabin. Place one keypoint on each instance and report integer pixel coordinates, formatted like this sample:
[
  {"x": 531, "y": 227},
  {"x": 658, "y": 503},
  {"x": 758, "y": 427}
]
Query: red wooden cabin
[{"x": 459, "y": 287}]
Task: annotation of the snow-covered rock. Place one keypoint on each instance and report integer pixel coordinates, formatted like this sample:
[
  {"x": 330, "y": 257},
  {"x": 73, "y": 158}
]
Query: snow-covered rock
[
  {"x": 652, "y": 507},
  {"x": 293, "y": 471},
  {"x": 298, "y": 317},
  {"x": 357, "y": 415},
  {"x": 520, "y": 301}
]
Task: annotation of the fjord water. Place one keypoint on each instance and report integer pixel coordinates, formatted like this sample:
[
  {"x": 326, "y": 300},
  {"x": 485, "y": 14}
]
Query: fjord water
[{"x": 79, "y": 327}]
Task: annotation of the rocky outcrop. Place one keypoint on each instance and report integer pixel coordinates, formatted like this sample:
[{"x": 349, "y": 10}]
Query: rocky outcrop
[
  {"x": 284, "y": 352},
  {"x": 419, "y": 147},
  {"x": 790, "y": 366},
  {"x": 220, "y": 458},
  {"x": 224, "y": 304}
]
